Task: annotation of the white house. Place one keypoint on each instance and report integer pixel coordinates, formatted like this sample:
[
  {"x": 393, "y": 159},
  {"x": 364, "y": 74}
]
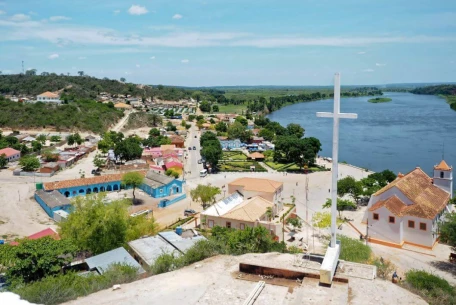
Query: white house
[
  {"x": 407, "y": 210},
  {"x": 48, "y": 97}
]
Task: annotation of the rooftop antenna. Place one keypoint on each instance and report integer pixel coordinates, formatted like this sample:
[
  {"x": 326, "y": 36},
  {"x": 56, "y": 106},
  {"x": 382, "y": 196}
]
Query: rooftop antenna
[{"x": 23, "y": 72}]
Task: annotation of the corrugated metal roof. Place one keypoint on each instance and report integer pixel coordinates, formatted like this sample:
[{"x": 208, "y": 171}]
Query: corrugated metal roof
[
  {"x": 103, "y": 261},
  {"x": 150, "y": 248},
  {"x": 224, "y": 205},
  {"x": 186, "y": 243},
  {"x": 53, "y": 198}
]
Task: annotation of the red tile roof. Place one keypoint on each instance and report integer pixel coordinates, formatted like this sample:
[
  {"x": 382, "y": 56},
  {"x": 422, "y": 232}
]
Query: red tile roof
[
  {"x": 49, "y": 94},
  {"x": 428, "y": 200},
  {"x": 46, "y": 232},
  {"x": 8, "y": 152},
  {"x": 442, "y": 166}
]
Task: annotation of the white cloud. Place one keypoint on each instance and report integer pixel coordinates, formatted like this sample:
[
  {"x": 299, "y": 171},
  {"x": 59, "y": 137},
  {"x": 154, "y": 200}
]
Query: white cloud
[
  {"x": 138, "y": 66},
  {"x": 177, "y": 16},
  {"x": 2, "y": 12},
  {"x": 368, "y": 70},
  {"x": 32, "y": 13},
  {"x": 137, "y": 10},
  {"x": 185, "y": 61},
  {"x": 380, "y": 65},
  {"x": 59, "y": 18},
  {"x": 20, "y": 17},
  {"x": 152, "y": 57},
  {"x": 116, "y": 12},
  {"x": 361, "y": 53},
  {"x": 127, "y": 73},
  {"x": 53, "y": 56},
  {"x": 82, "y": 57}
]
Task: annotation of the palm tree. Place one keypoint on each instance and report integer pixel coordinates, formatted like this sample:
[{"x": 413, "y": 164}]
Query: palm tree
[{"x": 269, "y": 213}]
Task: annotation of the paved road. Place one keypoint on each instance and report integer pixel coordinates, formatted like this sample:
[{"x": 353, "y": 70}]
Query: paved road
[{"x": 193, "y": 156}]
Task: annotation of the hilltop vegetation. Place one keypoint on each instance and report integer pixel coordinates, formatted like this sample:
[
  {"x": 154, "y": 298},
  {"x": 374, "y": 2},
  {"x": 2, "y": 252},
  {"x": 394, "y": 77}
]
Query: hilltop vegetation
[
  {"x": 79, "y": 115},
  {"x": 446, "y": 91}
]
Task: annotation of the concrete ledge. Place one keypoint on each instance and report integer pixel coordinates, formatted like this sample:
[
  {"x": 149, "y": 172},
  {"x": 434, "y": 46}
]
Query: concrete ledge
[{"x": 328, "y": 267}]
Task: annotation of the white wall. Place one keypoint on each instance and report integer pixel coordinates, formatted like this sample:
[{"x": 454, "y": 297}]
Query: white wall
[
  {"x": 416, "y": 235},
  {"x": 382, "y": 229},
  {"x": 385, "y": 195}
]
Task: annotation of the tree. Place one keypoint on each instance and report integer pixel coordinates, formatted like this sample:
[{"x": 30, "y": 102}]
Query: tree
[
  {"x": 100, "y": 227},
  {"x": 205, "y": 106},
  {"x": 49, "y": 156},
  {"x": 448, "y": 230},
  {"x": 295, "y": 130},
  {"x": 191, "y": 117},
  {"x": 267, "y": 134},
  {"x": 206, "y": 137},
  {"x": 342, "y": 205},
  {"x": 197, "y": 96},
  {"x": 98, "y": 161},
  {"x": 3, "y": 161},
  {"x": 295, "y": 222},
  {"x": 236, "y": 130},
  {"x": 154, "y": 132},
  {"x": 29, "y": 163},
  {"x": 56, "y": 138},
  {"x": 36, "y": 146},
  {"x": 221, "y": 126},
  {"x": 261, "y": 121},
  {"x": 242, "y": 120},
  {"x": 128, "y": 149},
  {"x": 205, "y": 194},
  {"x": 170, "y": 172},
  {"x": 269, "y": 213},
  {"x": 134, "y": 180},
  {"x": 349, "y": 185},
  {"x": 200, "y": 123},
  {"x": 183, "y": 123},
  {"x": 212, "y": 152},
  {"x": 41, "y": 138},
  {"x": 122, "y": 79},
  {"x": 31, "y": 72},
  {"x": 81, "y": 73},
  {"x": 77, "y": 138},
  {"x": 33, "y": 260},
  {"x": 215, "y": 108}
]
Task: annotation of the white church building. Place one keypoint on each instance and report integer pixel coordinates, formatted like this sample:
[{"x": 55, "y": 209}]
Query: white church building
[{"x": 407, "y": 210}]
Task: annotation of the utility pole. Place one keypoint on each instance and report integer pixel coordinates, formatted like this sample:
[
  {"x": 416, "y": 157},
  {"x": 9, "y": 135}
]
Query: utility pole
[
  {"x": 307, "y": 208},
  {"x": 23, "y": 72}
]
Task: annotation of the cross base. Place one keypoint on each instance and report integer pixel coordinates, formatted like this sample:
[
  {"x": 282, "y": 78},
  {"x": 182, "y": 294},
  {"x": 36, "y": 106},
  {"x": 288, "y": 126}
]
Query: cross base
[{"x": 328, "y": 267}]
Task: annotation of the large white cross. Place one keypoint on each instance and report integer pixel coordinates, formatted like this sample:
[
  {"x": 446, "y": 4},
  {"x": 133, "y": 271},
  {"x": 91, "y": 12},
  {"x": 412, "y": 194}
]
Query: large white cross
[{"x": 336, "y": 115}]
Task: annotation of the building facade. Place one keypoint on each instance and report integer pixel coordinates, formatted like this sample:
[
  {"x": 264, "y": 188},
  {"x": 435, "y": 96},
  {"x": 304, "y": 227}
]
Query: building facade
[
  {"x": 48, "y": 97},
  {"x": 10, "y": 154}
]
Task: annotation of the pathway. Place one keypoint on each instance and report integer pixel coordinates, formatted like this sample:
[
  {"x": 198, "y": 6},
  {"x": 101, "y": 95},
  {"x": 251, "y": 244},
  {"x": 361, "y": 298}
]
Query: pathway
[
  {"x": 118, "y": 127},
  {"x": 270, "y": 170}
]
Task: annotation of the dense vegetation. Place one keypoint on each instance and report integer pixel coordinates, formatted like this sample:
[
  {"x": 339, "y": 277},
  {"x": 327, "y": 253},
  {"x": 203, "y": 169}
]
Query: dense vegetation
[
  {"x": 143, "y": 119},
  {"x": 78, "y": 115},
  {"x": 432, "y": 288},
  {"x": 379, "y": 100},
  {"x": 447, "y": 91}
]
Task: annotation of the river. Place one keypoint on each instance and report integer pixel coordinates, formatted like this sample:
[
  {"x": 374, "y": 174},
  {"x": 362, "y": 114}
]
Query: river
[{"x": 400, "y": 135}]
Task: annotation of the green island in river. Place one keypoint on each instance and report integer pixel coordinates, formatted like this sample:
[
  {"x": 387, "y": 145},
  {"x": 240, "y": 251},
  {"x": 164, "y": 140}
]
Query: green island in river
[{"x": 380, "y": 100}]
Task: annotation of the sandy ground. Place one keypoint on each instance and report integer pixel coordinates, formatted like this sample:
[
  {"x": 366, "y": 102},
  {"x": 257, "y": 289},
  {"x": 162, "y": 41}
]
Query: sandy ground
[{"x": 213, "y": 282}]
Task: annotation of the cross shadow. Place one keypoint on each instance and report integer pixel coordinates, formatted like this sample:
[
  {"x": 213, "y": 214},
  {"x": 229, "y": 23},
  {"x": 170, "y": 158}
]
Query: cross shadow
[{"x": 445, "y": 266}]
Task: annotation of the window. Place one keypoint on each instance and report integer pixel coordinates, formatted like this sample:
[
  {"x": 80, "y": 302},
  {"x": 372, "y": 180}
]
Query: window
[
  {"x": 375, "y": 216},
  {"x": 422, "y": 226},
  {"x": 441, "y": 174},
  {"x": 391, "y": 219},
  {"x": 228, "y": 224},
  {"x": 161, "y": 191},
  {"x": 211, "y": 223},
  {"x": 411, "y": 224},
  {"x": 242, "y": 226}
]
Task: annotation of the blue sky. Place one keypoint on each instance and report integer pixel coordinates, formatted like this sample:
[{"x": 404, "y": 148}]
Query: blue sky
[{"x": 233, "y": 42}]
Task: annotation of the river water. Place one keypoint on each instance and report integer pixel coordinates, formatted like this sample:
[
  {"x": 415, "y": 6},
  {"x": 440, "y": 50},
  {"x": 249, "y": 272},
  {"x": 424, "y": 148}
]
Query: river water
[{"x": 407, "y": 132}]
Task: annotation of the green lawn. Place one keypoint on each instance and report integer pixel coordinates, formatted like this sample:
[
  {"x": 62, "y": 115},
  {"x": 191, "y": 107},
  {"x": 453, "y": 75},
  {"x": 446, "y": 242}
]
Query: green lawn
[
  {"x": 233, "y": 166},
  {"x": 238, "y": 109},
  {"x": 234, "y": 155}
]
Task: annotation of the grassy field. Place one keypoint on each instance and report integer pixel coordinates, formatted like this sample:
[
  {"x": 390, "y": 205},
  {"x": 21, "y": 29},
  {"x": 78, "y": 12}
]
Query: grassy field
[
  {"x": 238, "y": 109},
  {"x": 379, "y": 100}
]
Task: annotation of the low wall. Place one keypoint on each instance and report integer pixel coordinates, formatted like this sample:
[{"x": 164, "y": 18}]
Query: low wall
[
  {"x": 31, "y": 174},
  {"x": 164, "y": 203}
]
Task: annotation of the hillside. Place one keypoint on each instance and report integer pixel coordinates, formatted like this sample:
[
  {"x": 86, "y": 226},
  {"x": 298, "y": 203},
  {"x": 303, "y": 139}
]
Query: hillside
[
  {"x": 76, "y": 87},
  {"x": 447, "y": 91},
  {"x": 82, "y": 115}
]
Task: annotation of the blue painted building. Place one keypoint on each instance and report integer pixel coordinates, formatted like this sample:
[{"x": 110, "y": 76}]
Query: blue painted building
[
  {"x": 52, "y": 201},
  {"x": 158, "y": 186}
]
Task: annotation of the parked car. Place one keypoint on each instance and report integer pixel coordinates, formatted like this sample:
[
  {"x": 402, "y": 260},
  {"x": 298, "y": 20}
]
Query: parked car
[
  {"x": 196, "y": 137},
  {"x": 194, "y": 147},
  {"x": 189, "y": 212},
  {"x": 189, "y": 148}
]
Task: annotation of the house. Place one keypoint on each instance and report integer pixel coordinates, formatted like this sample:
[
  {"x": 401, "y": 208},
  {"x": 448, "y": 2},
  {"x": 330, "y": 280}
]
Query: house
[
  {"x": 173, "y": 164},
  {"x": 408, "y": 210},
  {"x": 48, "y": 97},
  {"x": 158, "y": 186},
  {"x": 257, "y": 140},
  {"x": 20, "y": 137},
  {"x": 50, "y": 167},
  {"x": 28, "y": 139},
  {"x": 10, "y": 154},
  {"x": 256, "y": 156},
  {"x": 46, "y": 232},
  {"x": 178, "y": 141},
  {"x": 237, "y": 212},
  {"x": 230, "y": 144},
  {"x": 250, "y": 187},
  {"x": 52, "y": 201},
  {"x": 256, "y": 131}
]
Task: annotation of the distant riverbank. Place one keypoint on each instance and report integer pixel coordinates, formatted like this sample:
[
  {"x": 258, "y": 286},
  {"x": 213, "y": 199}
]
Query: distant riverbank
[{"x": 379, "y": 100}]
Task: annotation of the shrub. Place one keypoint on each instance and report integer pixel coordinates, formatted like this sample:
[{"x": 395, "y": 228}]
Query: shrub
[
  {"x": 432, "y": 288},
  {"x": 62, "y": 288},
  {"x": 385, "y": 268},
  {"x": 294, "y": 250}
]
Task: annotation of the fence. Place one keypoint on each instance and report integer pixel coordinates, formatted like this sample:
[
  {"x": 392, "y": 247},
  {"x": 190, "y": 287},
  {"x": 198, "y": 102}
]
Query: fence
[{"x": 165, "y": 202}]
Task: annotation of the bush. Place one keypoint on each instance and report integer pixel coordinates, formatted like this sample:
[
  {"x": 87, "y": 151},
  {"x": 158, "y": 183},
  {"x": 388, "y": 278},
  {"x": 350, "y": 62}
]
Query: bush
[
  {"x": 385, "y": 268},
  {"x": 294, "y": 250},
  {"x": 62, "y": 288},
  {"x": 432, "y": 288},
  {"x": 353, "y": 250}
]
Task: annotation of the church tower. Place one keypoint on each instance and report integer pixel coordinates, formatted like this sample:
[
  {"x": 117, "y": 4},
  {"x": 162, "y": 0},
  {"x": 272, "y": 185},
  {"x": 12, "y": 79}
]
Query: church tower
[{"x": 443, "y": 177}]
